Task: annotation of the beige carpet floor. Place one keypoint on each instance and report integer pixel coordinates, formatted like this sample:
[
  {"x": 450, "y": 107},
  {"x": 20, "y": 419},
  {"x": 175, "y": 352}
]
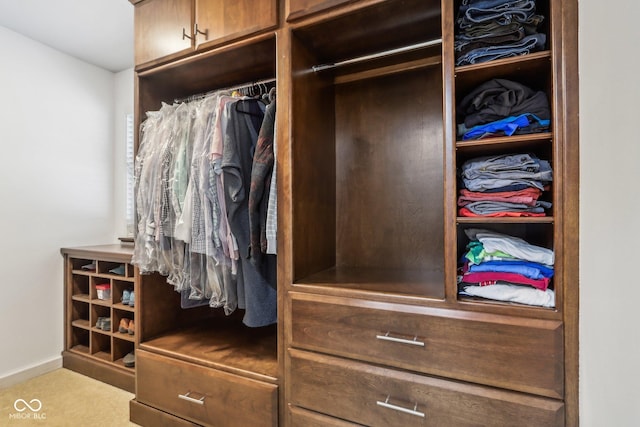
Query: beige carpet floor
[{"x": 64, "y": 398}]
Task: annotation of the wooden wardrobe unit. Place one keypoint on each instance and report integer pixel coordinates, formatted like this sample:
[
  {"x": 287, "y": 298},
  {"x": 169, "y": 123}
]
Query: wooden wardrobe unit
[{"x": 371, "y": 328}]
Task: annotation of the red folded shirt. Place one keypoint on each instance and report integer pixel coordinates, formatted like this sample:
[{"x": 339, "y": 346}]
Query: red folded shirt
[
  {"x": 467, "y": 212},
  {"x": 527, "y": 196},
  {"x": 485, "y": 278}
]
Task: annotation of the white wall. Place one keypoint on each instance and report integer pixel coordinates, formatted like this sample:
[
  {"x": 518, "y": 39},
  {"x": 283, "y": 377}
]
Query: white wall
[
  {"x": 56, "y": 187},
  {"x": 609, "y": 208}
]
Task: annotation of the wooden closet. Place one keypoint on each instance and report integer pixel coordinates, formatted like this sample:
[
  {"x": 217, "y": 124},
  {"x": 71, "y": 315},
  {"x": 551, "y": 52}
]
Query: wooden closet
[{"x": 371, "y": 328}]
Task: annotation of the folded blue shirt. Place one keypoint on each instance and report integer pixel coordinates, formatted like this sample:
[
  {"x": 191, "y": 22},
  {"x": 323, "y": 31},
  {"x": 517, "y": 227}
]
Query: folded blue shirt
[
  {"x": 532, "y": 270},
  {"x": 508, "y": 126}
]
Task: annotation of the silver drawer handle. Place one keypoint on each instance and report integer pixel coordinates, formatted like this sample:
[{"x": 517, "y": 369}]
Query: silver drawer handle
[
  {"x": 413, "y": 411},
  {"x": 191, "y": 399},
  {"x": 414, "y": 341}
]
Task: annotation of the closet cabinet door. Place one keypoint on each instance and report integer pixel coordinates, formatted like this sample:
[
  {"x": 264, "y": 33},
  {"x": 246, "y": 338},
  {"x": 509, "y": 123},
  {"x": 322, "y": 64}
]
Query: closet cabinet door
[
  {"x": 223, "y": 20},
  {"x": 300, "y": 8},
  {"x": 159, "y": 26}
]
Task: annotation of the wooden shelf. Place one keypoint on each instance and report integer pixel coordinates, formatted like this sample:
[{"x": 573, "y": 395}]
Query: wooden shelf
[
  {"x": 124, "y": 336},
  {"x": 123, "y": 307},
  {"x": 81, "y": 323},
  {"x": 120, "y": 362},
  {"x": 423, "y": 283},
  {"x": 81, "y": 349},
  {"x": 505, "y": 142},
  {"x": 101, "y": 302},
  {"x": 81, "y": 297},
  {"x": 225, "y": 345},
  {"x": 516, "y": 63},
  {"x": 506, "y": 220},
  {"x": 102, "y": 355},
  {"x": 83, "y": 272}
]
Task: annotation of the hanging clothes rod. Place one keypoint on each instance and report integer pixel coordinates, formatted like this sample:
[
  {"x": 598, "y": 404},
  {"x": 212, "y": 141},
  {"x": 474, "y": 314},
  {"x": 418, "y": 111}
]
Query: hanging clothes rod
[
  {"x": 429, "y": 43},
  {"x": 226, "y": 89}
]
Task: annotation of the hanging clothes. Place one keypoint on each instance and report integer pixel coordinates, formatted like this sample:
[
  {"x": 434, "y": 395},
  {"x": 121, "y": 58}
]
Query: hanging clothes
[{"x": 193, "y": 177}]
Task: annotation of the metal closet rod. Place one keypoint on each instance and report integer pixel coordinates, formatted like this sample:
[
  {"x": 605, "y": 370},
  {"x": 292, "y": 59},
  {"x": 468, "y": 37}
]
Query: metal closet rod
[
  {"x": 429, "y": 43},
  {"x": 225, "y": 89}
]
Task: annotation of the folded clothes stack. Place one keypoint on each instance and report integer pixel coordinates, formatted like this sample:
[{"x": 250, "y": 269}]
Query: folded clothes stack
[
  {"x": 506, "y": 268},
  {"x": 501, "y": 107},
  {"x": 495, "y": 29},
  {"x": 506, "y": 185}
]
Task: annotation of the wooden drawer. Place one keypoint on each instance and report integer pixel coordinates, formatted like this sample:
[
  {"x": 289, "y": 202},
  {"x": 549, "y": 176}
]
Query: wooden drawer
[
  {"x": 376, "y": 396},
  {"x": 303, "y": 418},
  {"x": 508, "y": 352},
  {"x": 204, "y": 395}
]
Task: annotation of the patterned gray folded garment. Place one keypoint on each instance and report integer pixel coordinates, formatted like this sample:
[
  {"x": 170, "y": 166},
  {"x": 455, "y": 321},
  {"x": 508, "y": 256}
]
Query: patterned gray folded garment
[{"x": 489, "y": 207}]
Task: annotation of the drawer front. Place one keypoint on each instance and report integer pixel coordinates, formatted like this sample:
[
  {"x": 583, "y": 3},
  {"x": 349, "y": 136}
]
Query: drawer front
[
  {"x": 512, "y": 353},
  {"x": 303, "y": 418},
  {"x": 204, "y": 395},
  {"x": 376, "y": 396}
]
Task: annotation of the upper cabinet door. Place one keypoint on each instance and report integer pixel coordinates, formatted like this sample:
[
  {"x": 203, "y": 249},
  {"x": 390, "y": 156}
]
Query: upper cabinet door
[
  {"x": 300, "y": 8},
  {"x": 159, "y": 27},
  {"x": 224, "y": 20}
]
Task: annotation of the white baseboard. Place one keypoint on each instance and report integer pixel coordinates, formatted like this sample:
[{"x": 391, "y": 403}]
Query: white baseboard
[{"x": 31, "y": 372}]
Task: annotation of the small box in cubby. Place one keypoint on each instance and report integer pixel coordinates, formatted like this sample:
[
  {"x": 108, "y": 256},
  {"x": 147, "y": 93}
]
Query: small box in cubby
[{"x": 103, "y": 291}]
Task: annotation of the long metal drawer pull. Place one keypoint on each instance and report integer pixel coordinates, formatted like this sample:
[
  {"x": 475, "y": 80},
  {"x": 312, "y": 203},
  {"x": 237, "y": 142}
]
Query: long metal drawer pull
[
  {"x": 413, "y": 411},
  {"x": 414, "y": 341},
  {"x": 191, "y": 399}
]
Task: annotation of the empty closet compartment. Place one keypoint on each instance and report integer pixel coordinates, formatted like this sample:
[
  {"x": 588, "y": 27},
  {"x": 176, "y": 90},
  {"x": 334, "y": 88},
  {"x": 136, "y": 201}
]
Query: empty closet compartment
[{"x": 367, "y": 150}]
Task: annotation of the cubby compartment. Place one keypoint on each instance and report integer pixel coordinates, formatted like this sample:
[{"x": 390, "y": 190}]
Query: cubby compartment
[
  {"x": 95, "y": 282},
  {"x": 80, "y": 287},
  {"x": 534, "y": 233},
  {"x": 83, "y": 264},
  {"x": 540, "y": 147},
  {"x": 118, "y": 289},
  {"x": 369, "y": 213},
  {"x": 80, "y": 314},
  {"x": 101, "y": 346},
  {"x": 97, "y": 312},
  {"x": 542, "y": 8},
  {"x": 533, "y": 70},
  {"x": 533, "y": 73},
  {"x": 79, "y": 340},
  {"x": 118, "y": 315},
  {"x": 113, "y": 268},
  {"x": 120, "y": 349}
]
